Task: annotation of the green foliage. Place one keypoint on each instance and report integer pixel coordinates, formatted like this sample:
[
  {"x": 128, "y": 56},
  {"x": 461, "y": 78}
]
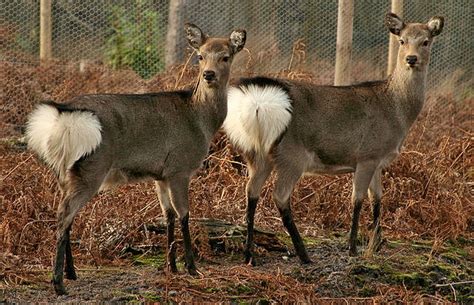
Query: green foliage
[
  {"x": 157, "y": 261},
  {"x": 151, "y": 296},
  {"x": 136, "y": 41}
]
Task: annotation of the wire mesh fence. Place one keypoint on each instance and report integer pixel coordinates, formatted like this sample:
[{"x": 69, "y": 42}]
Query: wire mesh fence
[{"x": 132, "y": 39}]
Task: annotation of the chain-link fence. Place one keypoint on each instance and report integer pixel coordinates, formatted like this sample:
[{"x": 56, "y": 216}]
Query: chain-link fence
[{"x": 134, "y": 36}]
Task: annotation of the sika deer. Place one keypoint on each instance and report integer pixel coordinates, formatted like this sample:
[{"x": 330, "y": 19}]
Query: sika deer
[
  {"x": 96, "y": 141},
  {"x": 300, "y": 128}
]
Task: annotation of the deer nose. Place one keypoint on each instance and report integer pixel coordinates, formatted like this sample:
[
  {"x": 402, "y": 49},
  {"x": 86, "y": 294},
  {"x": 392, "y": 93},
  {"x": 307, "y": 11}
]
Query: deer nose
[
  {"x": 209, "y": 75},
  {"x": 411, "y": 59}
]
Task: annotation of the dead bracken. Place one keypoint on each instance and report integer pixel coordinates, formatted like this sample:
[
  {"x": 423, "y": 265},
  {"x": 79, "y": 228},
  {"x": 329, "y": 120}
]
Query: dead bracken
[{"x": 426, "y": 197}]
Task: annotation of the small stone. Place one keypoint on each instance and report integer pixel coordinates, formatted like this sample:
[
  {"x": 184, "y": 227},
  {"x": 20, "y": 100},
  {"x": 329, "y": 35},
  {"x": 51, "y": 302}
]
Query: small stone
[{"x": 172, "y": 293}]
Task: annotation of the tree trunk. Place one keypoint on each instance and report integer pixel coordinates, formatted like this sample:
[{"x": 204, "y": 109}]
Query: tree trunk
[
  {"x": 45, "y": 30},
  {"x": 345, "y": 18},
  {"x": 175, "y": 38},
  {"x": 397, "y": 8}
]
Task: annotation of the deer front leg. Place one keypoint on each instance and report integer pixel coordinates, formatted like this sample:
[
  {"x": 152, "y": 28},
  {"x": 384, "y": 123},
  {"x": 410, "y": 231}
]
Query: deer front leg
[
  {"x": 375, "y": 195},
  {"x": 162, "y": 190},
  {"x": 178, "y": 187},
  {"x": 362, "y": 177}
]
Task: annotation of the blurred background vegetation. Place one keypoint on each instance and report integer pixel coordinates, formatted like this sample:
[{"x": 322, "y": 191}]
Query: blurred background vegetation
[{"x": 134, "y": 34}]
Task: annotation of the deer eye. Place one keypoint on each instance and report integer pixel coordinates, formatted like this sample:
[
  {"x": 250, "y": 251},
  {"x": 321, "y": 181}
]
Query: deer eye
[
  {"x": 225, "y": 58},
  {"x": 425, "y": 43},
  {"x": 402, "y": 42},
  {"x": 200, "y": 57}
]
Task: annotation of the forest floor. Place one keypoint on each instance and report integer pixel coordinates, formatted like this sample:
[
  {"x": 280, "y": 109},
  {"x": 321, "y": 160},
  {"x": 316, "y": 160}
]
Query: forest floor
[{"x": 403, "y": 271}]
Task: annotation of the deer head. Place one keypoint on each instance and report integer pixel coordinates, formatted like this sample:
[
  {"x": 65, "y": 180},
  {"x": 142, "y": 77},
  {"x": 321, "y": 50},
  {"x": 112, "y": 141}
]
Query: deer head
[
  {"x": 215, "y": 54},
  {"x": 415, "y": 40}
]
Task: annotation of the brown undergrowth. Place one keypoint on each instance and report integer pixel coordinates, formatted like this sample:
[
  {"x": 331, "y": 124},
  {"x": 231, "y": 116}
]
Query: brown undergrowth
[{"x": 427, "y": 190}]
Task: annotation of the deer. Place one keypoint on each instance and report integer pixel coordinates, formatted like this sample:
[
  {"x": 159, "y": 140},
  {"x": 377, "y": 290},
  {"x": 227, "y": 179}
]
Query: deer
[
  {"x": 95, "y": 142},
  {"x": 298, "y": 128}
]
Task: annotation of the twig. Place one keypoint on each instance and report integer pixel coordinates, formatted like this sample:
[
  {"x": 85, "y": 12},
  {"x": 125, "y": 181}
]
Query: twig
[
  {"x": 425, "y": 188},
  {"x": 225, "y": 160},
  {"x": 319, "y": 189},
  {"x": 184, "y": 69},
  {"x": 247, "y": 65},
  {"x": 16, "y": 167},
  {"x": 454, "y": 283},
  {"x": 291, "y": 58},
  {"x": 32, "y": 222},
  {"x": 454, "y": 292},
  {"x": 459, "y": 156}
]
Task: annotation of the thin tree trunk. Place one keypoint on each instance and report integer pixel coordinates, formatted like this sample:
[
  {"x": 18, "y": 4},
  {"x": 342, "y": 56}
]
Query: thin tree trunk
[
  {"x": 45, "y": 30},
  {"x": 397, "y": 8},
  {"x": 345, "y": 18},
  {"x": 174, "y": 44}
]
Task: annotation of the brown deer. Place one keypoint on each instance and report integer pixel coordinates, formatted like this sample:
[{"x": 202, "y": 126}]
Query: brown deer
[
  {"x": 299, "y": 128},
  {"x": 96, "y": 141}
]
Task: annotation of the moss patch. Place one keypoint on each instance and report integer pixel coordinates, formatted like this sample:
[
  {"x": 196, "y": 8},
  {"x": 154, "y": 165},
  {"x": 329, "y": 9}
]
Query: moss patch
[
  {"x": 150, "y": 296},
  {"x": 157, "y": 260},
  {"x": 414, "y": 266}
]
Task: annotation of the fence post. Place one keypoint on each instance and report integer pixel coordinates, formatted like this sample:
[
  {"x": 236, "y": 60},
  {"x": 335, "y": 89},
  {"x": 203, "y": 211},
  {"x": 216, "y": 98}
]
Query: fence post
[
  {"x": 397, "y": 8},
  {"x": 345, "y": 16},
  {"x": 174, "y": 45},
  {"x": 45, "y": 30}
]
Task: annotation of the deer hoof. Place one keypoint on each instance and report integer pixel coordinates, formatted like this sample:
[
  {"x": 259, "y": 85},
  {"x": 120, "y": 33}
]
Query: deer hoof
[{"x": 59, "y": 288}]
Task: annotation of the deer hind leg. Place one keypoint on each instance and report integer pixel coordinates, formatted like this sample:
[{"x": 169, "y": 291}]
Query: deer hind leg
[
  {"x": 69, "y": 268},
  {"x": 178, "y": 187},
  {"x": 259, "y": 171},
  {"x": 162, "y": 189},
  {"x": 375, "y": 195},
  {"x": 284, "y": 186},
  {"x": 76, "y": 197},
  {"x": 362, "y": 177}
]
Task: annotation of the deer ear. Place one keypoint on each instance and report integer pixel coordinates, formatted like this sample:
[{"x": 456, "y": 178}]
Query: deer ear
[
  {"x": 195, "y": 36},
  {"x": 237, "y": 40},
  {"x": 435, "y": 25},
  {"x": 394, "y": 23}
]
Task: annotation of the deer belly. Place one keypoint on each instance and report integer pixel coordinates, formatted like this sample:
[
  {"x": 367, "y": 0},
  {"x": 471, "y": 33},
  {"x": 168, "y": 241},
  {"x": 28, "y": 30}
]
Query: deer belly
[
  {"x": 317, "y": 166},
  {"x": 389, "y": 158}
]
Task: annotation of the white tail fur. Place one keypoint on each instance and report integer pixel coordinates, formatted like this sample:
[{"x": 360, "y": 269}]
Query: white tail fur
[
  {"x": 257, "y": 116},
  {"x": 62, "y": 138}
]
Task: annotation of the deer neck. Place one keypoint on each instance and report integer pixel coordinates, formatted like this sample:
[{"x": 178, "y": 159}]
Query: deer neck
[
  {"x": 210, "y": 105},
  {"x": 407, "y": 87}
]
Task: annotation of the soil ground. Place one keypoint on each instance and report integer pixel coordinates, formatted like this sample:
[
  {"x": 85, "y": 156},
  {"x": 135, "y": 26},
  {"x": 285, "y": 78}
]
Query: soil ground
[{"x": 401, "y": 271}]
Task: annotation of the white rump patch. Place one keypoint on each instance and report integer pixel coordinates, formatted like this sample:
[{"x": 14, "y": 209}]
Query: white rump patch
[
  {"x": 62, "y": 138},
  {"x": 256, "y": 116}
]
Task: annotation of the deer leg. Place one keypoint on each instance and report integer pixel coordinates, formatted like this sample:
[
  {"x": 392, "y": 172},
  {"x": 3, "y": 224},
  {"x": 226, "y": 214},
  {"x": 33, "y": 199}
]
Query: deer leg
[
  {"x": 57, "y": 280},
  {"x": 162, "y": 189},
  {"x": 375, "y": 194},
  {"x": 281, "y": 195},
  {"x": 258, "y": 174},
  {"x": 80, "y": 185},
  {"x": 362, "y": 177},
  {"x": 69, "y": 268},
  {"x": 67, "y": 210},
  {"x": 179, "y": 199}
]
